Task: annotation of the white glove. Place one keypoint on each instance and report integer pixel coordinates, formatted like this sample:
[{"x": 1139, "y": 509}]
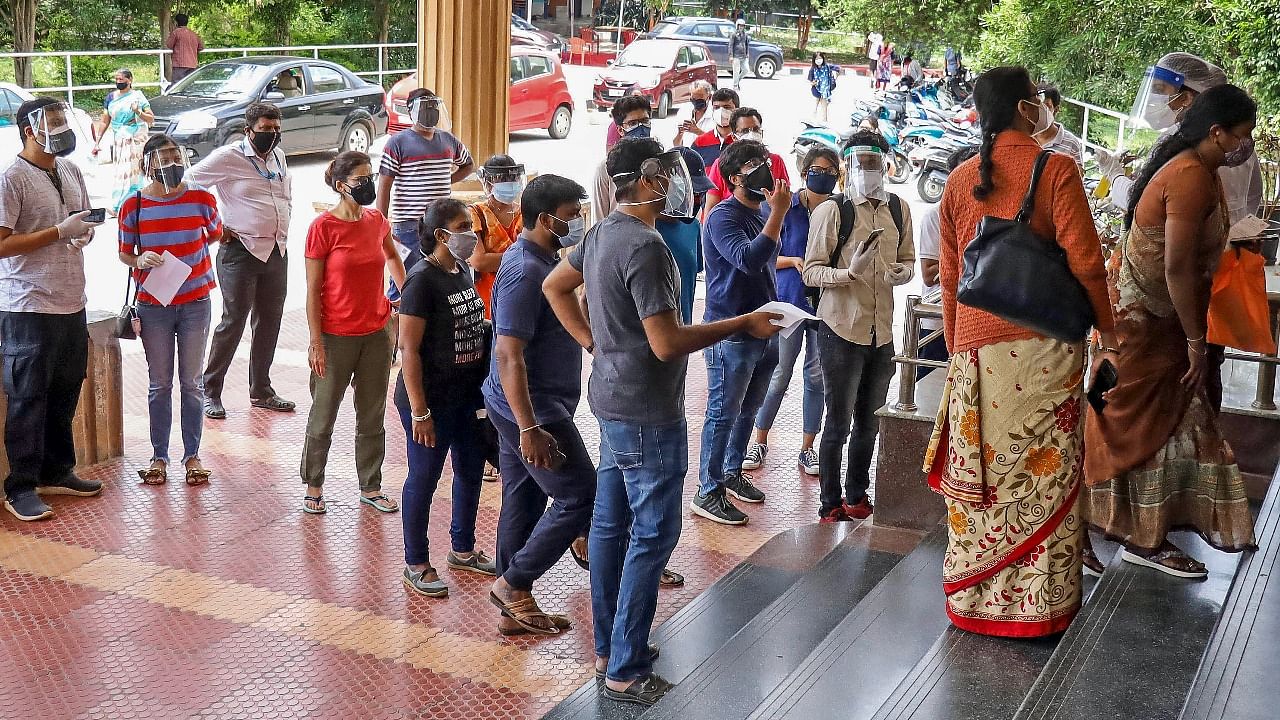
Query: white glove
[
  {"x": 80, "y": 242},
  {"x": 1109, "y": 164},
  {"x": 899, "y": 273},
  {"x": 75, "y": 226},
  {"x": 148, "y": 260},
  {"x": 863, "y": 257}
]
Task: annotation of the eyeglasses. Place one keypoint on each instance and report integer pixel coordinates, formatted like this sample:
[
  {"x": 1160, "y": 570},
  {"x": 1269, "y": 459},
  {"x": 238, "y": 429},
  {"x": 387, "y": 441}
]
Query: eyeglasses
[
  {"x": 629, "y": 126},
  {"x": 753, "y": 166},
  {"x": 822, "y": 171}
]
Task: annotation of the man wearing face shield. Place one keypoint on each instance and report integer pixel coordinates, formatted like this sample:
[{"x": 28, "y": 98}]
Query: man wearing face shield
[
  {"x": 636, "y": 392},
  {"x": 747, "y": 124},
  {"x": 741, "y": 249},
  {"x": 496, "y": 219},
  {"x": 679, "y": 227},
  {"x": 419, "y": 165},
  {"x": 855, "y": 341},
  {"x": 44, "y": 208},
  {"x": 255, "y": 193}
]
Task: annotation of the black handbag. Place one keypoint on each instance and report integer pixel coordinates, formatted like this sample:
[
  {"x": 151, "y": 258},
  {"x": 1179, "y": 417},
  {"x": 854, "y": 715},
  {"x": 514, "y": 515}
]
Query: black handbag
[
  {"x": 125, "y": 329},
  {"x": 1011, "y": 272}
]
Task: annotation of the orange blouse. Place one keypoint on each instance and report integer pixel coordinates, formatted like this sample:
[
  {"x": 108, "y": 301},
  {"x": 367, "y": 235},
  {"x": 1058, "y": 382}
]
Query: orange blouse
[
  {"x": 1061, "y": 214},
  {"x": 496, "y": 238}
]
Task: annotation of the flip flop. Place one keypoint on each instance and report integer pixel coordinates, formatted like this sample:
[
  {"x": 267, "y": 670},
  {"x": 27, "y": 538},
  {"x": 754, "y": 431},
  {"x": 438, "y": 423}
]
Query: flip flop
[
  {"x": 521, "y": 611},
  {"x": 319, "y": 501},
  {"x": 1157, "y": 560},
  {"x": 561, "y": 622},
  {"x": 376, "y": 501}
]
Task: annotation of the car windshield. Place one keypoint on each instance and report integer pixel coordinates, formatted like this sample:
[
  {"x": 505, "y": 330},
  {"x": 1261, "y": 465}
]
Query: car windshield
[
  {"x": 522, "y": 23},
  {"x": 221, "y": 80},
  {"x": 666, "y": 28},
  {"x": 648, "y": 54}
]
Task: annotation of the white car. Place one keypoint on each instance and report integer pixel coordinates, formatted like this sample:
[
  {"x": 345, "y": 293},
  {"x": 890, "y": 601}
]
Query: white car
[{"x": 11, "y": 98}]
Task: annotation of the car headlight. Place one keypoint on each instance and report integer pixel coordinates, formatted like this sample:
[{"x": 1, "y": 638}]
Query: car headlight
[
  {"x": 651, "y": 81},
  {"x": 599, "y": 80},
  {"x": 195, "y": 121}
]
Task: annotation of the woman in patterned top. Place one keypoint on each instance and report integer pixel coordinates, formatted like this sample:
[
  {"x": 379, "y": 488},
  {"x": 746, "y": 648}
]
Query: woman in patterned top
[{"x": 128, "y": 114}]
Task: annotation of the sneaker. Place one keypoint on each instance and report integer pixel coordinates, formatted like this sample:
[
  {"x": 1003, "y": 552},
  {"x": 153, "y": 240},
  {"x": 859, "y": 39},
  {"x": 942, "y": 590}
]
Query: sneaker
[
  {"x": 834, "y": 515},
  {"x": 740, "y": 486},
  {"x": 809, "y": 462},
  {"x": 860, "y": 510},
  {"x": 27, "y": 507},
  {"x": 755, "y": 456},
  {"x": 70, "y": 484},
  {"x": 717, "y": 508},
  {"x": 477, "y": 562},
  {"x": 431, "y": 588}
]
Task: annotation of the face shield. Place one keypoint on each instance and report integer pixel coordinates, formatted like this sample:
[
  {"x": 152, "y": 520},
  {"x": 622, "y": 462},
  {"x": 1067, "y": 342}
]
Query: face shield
[
  {"x": 677, "y": 192},
  {"x": 864, "y": 168},
  {"x": 504, "y": 183},
  {"x": 429, "y": 111},
  {"x": 55, "y": 128},
  {"x": 1151, "y": 106},
  {"x": 166, "y": 166}
]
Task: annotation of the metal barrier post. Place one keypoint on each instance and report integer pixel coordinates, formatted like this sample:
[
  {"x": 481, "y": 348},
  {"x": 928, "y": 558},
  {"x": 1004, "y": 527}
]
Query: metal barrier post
[
  {"x": 910, "y": 348},
  {"x": 1084, "y": 131},
  {"x": 71, "y": 94},
  {"x": 1264, "y": 395}
]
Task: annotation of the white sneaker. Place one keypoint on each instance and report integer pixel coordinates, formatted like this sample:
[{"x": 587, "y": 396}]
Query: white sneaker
[
  {"x": 809, "y": 461},
  {"x": 755, "y": 456}
]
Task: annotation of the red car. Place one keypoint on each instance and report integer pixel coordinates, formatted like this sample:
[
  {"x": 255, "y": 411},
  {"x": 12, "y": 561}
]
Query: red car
[
  {"x": 662, "y": 70},
  {"x": 539, "y": 96}
]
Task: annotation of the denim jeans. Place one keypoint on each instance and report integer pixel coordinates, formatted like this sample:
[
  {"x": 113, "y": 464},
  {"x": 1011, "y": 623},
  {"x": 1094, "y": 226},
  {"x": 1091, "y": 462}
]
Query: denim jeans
[
  {"x": 740, "y": 70},
  {"x": 532, "y": 537},
  {"x": 45, "y": 358},
  {"x": 185, "y": 327},
  {"x": 738, "y": 373},
  {"x": 788, "y": 352},
  {"x": 857, "y": 381},
  {"x": 455, "y": 434},
  {"x": 635, "y": 526},
  {"x": 405, "y": 233}
]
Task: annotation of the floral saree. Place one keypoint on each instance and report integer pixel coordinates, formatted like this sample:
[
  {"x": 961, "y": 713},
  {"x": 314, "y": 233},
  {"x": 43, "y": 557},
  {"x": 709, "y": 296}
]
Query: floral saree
[
  {"x": 1006, "y": 455},
  {"x": 130, "y": 136}
]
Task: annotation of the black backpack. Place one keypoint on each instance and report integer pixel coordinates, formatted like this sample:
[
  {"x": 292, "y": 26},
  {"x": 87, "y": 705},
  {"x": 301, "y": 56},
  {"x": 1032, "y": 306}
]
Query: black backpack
[{"x": 814, "y": 294}]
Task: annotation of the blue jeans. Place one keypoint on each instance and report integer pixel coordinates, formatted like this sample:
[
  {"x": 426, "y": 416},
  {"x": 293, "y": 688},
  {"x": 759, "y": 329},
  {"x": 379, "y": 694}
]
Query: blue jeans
[
  {"x": 456, "y": 433},
  {"x": 738, "y": 373},
  {"x": 788, "y": 351},
  {"x": 185, "y": 327},
  {"x": 634, "y": 528},
  {"x": 405, "y": 233}
]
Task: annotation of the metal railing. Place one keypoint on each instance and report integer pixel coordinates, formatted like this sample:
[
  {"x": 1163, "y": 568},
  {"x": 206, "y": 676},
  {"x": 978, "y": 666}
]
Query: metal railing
[
  {"x": 71, "y": 88},
  {"x": 1087, "y": 109}
]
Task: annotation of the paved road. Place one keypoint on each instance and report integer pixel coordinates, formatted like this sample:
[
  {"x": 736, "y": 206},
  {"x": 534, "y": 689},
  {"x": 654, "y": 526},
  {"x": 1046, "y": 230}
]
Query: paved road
[{"x": 784, "y": 102}]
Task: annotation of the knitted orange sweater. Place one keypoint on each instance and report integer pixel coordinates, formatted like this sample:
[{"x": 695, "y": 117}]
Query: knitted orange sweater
[{"x": 1061, "y": 214}]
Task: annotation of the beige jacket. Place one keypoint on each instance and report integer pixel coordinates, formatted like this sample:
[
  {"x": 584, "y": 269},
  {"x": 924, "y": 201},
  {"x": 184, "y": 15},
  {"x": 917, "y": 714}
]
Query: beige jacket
[{"x": 858, "y": 309}]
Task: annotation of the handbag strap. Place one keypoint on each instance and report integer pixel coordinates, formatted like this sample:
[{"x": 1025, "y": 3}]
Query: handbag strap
[
  {"x": 130, "y": 299},
  {"x": 1029, "y": 202}
]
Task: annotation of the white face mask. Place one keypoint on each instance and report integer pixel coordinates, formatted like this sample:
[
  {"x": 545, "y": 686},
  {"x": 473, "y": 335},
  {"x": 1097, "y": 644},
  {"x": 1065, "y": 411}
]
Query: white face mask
[
  {"x": 723, "y": 116},
  {"x": 1158, "y": 114},
  {"x": 1044, "y": 119}
]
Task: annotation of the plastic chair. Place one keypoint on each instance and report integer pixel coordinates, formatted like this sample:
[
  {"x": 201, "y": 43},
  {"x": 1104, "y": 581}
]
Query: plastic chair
[{"x": 578, "y": 46}]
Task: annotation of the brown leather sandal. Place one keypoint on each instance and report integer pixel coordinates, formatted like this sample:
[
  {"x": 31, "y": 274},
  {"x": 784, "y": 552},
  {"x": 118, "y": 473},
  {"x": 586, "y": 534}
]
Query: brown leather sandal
[
  {"x": 198, "y": 476},
  {"x": 522, "y": 612},
  {"x": 154, "y": 476}
]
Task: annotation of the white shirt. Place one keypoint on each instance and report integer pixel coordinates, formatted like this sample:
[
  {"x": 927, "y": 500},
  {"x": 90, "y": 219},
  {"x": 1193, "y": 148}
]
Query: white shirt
[
  {"x": 913, "y": 70},
  {"x": 874, "y": 41},
  {"x": 928, "y": 243},
  {"x": 254, "y": 207},
  {"x": 704, "y": 125}
]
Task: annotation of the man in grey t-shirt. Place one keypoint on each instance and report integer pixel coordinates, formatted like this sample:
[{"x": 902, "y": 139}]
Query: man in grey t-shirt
[
  {"x": 636, "y": 392},
  {"x": 43, "y": 226}
]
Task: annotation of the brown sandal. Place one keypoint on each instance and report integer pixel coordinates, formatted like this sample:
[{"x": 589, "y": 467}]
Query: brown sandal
[
  {"x": 198, "y": 476},
  {"x": 522, "y": 611},
  {"x": 561, "y": 623},
  {"x": 154, "y": 476}
]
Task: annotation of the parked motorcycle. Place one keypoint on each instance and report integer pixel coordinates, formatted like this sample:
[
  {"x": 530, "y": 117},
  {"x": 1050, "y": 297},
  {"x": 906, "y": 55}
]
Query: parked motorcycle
[{"x": 931, "y": 161}]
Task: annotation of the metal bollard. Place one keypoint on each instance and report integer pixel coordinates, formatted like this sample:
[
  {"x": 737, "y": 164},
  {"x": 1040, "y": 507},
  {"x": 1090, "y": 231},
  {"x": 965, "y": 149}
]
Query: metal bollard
[{"x": 910, "y": 349}]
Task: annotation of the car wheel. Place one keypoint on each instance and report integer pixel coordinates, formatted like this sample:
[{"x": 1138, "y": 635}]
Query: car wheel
[
  {"x": 664, "y": 106},
  {"x": 561, "y": 123},
  {"x": 766, "y": 67},
  {"x": 357, "y": 138}
]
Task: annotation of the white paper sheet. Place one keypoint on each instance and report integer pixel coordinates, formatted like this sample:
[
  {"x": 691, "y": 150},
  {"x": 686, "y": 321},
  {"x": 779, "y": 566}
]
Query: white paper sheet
[
  {"x": 401, "y": 250},
  {"x": 1248, "y": 227},
  {"x": 164, "y": 282},
  {"x": 792, "y": 316}
]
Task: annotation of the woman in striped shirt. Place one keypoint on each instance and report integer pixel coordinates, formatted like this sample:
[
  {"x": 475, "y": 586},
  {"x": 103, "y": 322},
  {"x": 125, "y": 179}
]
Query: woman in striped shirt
[{"x": 169, "y": 221}]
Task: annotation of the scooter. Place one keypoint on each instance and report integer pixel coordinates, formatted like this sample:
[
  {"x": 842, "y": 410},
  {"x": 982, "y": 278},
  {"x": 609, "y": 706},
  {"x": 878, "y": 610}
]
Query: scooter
[
  {"x": 931, "y": 161},
  {"x": 816, "y": 134}
]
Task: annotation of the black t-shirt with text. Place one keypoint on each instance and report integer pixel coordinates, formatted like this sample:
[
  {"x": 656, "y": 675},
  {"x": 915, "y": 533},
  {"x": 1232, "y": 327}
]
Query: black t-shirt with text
[{"x": 453, "y": 343}]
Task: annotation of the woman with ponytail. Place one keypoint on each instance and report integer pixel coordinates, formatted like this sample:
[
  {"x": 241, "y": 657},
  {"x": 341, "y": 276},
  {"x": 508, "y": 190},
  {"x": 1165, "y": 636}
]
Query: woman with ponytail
[
  {"x": 1156, "y": 461},
  {"x": 1008, "y": 445}
]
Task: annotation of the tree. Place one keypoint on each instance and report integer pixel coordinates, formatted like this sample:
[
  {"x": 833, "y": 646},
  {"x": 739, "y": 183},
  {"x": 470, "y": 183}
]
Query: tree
[
  {"x": 930, "y": 23},
  {"x": 21, "y": 16}
]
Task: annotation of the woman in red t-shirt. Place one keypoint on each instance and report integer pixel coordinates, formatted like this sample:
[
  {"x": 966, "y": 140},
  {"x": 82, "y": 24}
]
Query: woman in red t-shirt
[{"x": 349, "y": 250}]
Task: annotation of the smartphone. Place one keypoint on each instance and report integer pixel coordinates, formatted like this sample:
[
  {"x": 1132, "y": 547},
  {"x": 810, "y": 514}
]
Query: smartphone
[
  {"x": 874, "y": 237},
  {"x": 1105, "y": 379},
  {"x": 96, "y": 215},
  {"x": 557, "y": 458}
]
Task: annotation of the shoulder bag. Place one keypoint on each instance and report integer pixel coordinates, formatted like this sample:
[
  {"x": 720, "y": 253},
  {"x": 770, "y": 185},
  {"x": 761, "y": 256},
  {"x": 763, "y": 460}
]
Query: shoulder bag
[
  {"x": 126, "y": 328},
  {"x": 1012, "y": 273}
]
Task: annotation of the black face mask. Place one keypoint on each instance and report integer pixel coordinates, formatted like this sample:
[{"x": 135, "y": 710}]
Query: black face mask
[
  {"x": 428, "y": 117},
  {"x": 364, "y": 193},
  {"x": 60, "y": 144},
  {"x": 699, "y": 105},
  {"x": 758, "y": 180},
  {"x": 122, "y": 85},
  {"x": 264, "y": 141},
  {"x": 170, "y": 175}
]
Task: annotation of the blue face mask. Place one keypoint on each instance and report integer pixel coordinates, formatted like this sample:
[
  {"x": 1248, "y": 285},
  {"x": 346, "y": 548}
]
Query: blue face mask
[
  {"x": 639, "y": 131},
  {"x": 506, "y": 192},
  {"x": 699, "y": 105},
  {"x": 820, "y": 182}
]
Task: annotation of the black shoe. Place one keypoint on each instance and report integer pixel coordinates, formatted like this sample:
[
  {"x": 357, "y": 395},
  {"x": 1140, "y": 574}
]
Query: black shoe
[
  {"x": 717, "y": 508},
  {"x": 27, "y": 507},
  {"x": 739, "y": 485},
  {"x": 654, "y": 652},
  {"x": 646, "y": 691},
  {"x": 213, "y": 409},
  {"x": 274, "y": 403},
  {"x": 70, "y": 484}
]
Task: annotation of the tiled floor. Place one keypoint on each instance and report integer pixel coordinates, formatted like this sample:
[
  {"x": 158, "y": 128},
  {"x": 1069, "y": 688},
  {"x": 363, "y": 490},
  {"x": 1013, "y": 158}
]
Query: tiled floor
[{"x": 227, "y": 601}]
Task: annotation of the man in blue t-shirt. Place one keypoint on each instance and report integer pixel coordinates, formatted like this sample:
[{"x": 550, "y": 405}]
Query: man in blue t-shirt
[
  {"x": 741, "y": 250},
  {"x": 535, "y": 380}
]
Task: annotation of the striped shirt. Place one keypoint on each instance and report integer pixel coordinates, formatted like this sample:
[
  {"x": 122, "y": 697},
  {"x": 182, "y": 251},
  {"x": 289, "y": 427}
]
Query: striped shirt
[
  {"x": 180, "y": 224},
  {"x": 421, "y": 169}
]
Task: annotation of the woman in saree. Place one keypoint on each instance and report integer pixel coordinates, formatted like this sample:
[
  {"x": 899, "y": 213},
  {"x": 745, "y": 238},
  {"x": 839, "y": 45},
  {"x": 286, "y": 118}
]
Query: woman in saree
[
  {"x": 128, "y": 114},
  {"x": 1156, "y": 460},
  {"x": 1007, "y": 452},
  {"x": 884, "y": 68}
]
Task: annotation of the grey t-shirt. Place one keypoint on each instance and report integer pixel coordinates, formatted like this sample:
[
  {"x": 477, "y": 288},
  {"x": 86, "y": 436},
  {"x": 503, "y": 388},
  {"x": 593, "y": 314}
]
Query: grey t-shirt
[
  {"x": 630, "y": 275},
  {"x": 51, "y": 279}
]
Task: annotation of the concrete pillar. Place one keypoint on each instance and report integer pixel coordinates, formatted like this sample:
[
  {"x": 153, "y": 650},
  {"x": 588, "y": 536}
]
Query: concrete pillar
[{"x": 464, "y": 55}]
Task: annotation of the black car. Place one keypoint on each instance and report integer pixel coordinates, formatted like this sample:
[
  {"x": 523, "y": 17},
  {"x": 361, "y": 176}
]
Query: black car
[
  {"x": 766, "y": 58},
  {"x": 323, "y": 106}
]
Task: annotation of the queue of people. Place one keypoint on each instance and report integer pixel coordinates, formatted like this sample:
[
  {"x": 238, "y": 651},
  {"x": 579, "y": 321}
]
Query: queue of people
[{"x": 491, "y": 308}]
